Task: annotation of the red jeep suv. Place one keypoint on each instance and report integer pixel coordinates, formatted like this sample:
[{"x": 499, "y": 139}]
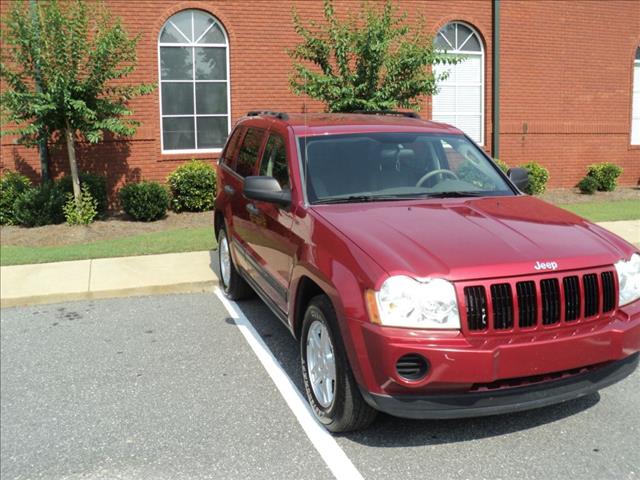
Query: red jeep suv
[{"x": 418, "y": 278}]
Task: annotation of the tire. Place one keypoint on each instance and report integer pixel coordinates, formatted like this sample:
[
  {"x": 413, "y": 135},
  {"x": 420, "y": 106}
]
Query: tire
[
  {"x": 233, "y": 285},
  {"x": 345, "y": 410}
]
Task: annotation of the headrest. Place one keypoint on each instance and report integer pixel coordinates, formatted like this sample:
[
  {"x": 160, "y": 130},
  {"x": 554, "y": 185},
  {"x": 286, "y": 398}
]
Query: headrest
[{"x": 406, "y": 158}]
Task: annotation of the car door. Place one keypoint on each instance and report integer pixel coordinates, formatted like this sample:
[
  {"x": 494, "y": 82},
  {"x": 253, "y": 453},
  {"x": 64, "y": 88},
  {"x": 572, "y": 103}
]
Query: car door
[
  {"x": 241, "y": 227},
  {"x": 272, "y": 240}
]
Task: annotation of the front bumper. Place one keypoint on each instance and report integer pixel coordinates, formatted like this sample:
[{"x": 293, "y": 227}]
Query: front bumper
[
  {"x": 459, "y": 363},
  {"x": 442, "y": 406}
]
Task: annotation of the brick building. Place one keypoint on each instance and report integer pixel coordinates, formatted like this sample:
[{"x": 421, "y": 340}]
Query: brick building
[{"x": 566, "y": 88}]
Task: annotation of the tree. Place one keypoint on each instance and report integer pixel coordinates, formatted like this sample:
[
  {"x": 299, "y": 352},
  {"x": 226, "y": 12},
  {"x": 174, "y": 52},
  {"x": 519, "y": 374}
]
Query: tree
[
  {"x": 372, "y": 61},
  {"x": 81, "y": 56}
]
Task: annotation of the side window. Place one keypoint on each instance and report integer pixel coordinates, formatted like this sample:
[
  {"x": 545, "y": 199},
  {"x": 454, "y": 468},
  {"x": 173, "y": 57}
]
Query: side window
[
  {"x": 248, "y": 154},
  {"x": 274, "y": 161},
  {"x": 230, "y": 154}
]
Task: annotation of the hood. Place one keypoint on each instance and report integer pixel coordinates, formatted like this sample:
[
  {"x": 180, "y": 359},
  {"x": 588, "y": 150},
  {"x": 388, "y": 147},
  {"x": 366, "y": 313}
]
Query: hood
[{"x": 463, "y": 239}]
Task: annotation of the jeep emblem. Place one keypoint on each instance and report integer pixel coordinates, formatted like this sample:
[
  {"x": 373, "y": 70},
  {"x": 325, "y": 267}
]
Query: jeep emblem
[{"x": 546, "y": 266}]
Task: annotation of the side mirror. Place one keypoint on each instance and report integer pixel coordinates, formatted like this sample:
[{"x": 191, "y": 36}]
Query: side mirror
[
  {"x": 266, "y": 189},
  {"x": 519, "y": 177}
]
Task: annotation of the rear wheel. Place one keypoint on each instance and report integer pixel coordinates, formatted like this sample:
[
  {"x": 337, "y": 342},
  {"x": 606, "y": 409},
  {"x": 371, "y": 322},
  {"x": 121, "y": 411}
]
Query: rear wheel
[
  {"x": 331, "y": 389},
  {"x": 233, "y": 285}
]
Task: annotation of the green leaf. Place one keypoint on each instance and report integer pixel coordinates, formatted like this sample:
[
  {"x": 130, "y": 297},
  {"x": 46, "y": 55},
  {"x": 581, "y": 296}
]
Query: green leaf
[{"x": 369, "y": 61}]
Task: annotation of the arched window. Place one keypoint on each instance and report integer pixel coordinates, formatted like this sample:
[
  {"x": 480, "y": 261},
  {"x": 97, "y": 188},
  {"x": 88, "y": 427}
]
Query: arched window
[
  {"x": 635, "y": 101},
  {"x": 460, "y": 101},
  {"x": 194, "y": 83}
]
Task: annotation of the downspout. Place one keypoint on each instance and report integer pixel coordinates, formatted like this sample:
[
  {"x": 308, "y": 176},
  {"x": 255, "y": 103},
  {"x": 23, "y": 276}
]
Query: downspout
[{"x": 495, "y": 107}]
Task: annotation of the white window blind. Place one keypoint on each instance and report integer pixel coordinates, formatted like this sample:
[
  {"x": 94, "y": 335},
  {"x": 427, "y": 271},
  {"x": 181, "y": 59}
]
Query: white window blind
[{"x": 460, "y": 101}]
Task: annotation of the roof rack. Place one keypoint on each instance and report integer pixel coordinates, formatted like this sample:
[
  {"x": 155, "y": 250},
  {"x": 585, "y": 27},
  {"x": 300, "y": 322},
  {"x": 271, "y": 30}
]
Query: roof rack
[
  {"x": 389, "y": 112},
  {"x": 256, "y": 113}
]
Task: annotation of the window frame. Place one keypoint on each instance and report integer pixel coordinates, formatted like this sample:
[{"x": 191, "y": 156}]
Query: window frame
[
  {"x": 483, "y": 83},
  {"x": 194, "y": 82}
]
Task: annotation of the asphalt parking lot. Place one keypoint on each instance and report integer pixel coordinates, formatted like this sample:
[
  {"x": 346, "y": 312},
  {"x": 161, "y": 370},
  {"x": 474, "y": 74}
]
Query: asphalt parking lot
[{"x": 168, "y": 387}]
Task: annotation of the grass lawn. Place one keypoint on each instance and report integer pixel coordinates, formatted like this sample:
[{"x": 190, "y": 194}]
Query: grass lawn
[
  {"x": 181, "y": 240},
  {"x": 606, "y": 211}
]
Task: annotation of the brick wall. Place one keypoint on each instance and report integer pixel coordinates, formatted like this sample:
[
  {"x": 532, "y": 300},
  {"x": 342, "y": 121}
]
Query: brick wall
[{"x": 565, "y": 80}]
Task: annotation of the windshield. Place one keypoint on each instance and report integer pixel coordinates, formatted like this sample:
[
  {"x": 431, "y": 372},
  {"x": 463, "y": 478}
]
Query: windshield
[{"x": 388, "y": 166}]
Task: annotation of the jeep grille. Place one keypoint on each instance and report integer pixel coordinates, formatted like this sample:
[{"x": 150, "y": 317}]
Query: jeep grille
[{"x": 544, "y": 301}]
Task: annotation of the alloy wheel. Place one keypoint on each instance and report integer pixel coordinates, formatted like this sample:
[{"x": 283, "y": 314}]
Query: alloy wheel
[
  {"x": 225, "y": 260},
  {"x": 321, "y": 364}
]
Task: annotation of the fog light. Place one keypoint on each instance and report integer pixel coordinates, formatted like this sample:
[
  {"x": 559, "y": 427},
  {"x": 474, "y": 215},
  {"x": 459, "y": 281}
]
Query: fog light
[{"x": 412, "y": 367}]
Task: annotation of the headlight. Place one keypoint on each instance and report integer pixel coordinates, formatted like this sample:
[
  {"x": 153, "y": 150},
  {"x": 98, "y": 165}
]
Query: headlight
[
  {"x": 405, "y": 302},
  {"x": 628, "y": 279}
]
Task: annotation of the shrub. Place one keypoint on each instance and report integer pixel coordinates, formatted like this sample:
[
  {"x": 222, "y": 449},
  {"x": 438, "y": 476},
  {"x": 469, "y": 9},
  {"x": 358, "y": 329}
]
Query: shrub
[
  {"x": 503, "y": 166},
  {"x": 82, "y": 212},
  {"x": 38, "y": 206},
  {"x": 12, "y": 184},
  {"x": 588, "y": 185},
  {"x": 145, "y": 201},
  {"x": 606, "y": 175},
  {"x": 538, "y": 178},
  {"x": 193, "y": 187},
  {"x": 97, "y": 185}
]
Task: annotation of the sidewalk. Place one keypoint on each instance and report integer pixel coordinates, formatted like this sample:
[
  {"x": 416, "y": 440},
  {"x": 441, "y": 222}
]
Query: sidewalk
[
  {"x": 627, "y": 229},
  {"x": 107, "y": 277},
  {"x": 145, "y": 275}
]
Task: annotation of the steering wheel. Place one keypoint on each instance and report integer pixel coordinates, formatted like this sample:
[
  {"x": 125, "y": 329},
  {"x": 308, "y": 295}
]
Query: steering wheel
[{"x": 441, "y": 171}]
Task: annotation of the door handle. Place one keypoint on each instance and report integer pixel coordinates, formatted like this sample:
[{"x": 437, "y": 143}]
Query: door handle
[
  {"x": 229, "y": 189},
  {"x": 252, "y": 209}
]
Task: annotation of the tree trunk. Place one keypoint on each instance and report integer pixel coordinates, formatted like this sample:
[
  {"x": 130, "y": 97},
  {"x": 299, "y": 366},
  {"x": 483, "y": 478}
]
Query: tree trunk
[
  {"x": 73, "y": 166},
  {"x": 44, "y": 160}
]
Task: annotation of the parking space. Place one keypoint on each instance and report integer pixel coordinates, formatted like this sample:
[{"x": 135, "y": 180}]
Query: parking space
[
  {"x": 168, "y": 387},
  {"x": 156, "y": 387}
]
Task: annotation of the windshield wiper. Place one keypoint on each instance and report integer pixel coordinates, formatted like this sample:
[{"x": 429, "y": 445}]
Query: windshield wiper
[
  {"x": 358, "y": 199},
  {"x": 387, "y": 198},
  {"x": 455, "y": 194}
]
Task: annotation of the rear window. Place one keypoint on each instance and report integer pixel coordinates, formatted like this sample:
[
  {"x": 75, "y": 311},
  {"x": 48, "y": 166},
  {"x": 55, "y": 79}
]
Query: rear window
[{"x": 248, "y": 155}]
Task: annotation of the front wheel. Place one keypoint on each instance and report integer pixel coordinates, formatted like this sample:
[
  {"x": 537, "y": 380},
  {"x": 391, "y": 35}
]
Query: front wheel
[
  {"x": 328, "y": 381},
  {"x": 233, "y": 285}
]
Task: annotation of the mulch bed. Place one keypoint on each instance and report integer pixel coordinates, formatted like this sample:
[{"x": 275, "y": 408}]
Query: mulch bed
[
  {"x": 113, "y": 227},
  {"x": 573, "y": 195}
]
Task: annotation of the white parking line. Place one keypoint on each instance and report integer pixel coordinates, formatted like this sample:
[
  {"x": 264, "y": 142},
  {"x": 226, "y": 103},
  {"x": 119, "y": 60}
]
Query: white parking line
[{"x": 335, "y": 458}]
